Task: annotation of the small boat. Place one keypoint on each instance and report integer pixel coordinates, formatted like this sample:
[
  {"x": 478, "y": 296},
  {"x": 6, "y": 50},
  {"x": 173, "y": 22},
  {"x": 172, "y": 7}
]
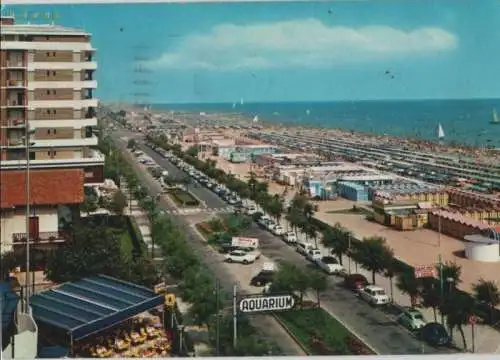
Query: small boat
[
  {"x": 440, "y": 132},
  {"x": 256, "y": 119},
  {"x": 241, "y": 101},
  {"x": 495, "y": 120}
]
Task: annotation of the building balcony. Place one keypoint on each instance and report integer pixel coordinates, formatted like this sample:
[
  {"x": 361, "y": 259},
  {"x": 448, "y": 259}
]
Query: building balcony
[
  {"x": 15, "y": 84},
  {"x": 15, "y": 104},
  {"x": 40, "y": 238},
  {"x": 16, "y": 64},
  {"x": 90, "y": 158},
  {"x": 14, "y": 123},
  {"x": 14, "y": 143}
]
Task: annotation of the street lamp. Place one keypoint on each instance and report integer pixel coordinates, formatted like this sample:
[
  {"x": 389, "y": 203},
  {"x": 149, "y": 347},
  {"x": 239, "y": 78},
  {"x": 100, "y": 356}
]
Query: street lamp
[{"x": 27, "y": 139}]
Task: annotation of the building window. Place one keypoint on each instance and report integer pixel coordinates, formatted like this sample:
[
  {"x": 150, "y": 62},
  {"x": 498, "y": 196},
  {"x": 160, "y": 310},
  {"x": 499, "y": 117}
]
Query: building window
[
  {"x": 48, "y": 73},
  {"x": 48, "y": 111},
  {"x": 55, "y": 131},
  {"x": 48, "y": 131},
  {"x": 48, "y": 92},
  {"x": 53, "y": 53},
  {"x": 53, "y": 73}
]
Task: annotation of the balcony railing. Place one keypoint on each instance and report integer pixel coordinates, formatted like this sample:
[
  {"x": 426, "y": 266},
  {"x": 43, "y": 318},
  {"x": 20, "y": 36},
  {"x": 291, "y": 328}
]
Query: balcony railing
[
  {"x": 18, "y": 63},
  {"x": 16, "y": 122},
  {"x": 15, "y": 83},
  {"x": 15, "y": 142},
  {"x": 15, "y": 103},
  {"x": 41, "y": 237}
]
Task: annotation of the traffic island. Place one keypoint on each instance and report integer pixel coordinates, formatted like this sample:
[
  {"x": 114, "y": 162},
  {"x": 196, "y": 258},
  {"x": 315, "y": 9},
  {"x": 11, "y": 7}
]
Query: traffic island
[
  {"x": 320, "y": 334},
  {"x": 183, "y": 198}
]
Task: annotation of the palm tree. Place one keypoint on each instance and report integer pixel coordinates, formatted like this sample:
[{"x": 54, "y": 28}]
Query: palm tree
[
  {"x": 451, "y": 273},
  {"x": 373, "y": 254},
  {"x": 408, "y": 284},
  {"x": 458, "y": 308},
  {"x": 318, "y": 283},
  {"x": 487, "y": 292},
  {"x": 337, "y": 238},
  {"x": 431, "y": 296}
]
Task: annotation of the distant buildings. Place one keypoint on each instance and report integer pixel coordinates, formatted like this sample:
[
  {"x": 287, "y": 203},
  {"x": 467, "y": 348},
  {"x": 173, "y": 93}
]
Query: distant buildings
[{"x": 48, "y": 112}]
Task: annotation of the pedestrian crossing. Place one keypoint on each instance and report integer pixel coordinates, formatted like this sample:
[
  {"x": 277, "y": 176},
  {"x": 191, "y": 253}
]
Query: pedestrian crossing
[{"x": 194, "y": 211}]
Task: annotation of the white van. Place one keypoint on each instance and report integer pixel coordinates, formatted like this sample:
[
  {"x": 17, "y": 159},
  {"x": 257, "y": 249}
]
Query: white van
[{"x": 303, "y": 248}]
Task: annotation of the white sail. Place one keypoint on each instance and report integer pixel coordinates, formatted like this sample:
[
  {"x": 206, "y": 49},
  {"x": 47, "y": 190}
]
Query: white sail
[
  {"x": 255, "y": 119},
  {"x": 440, "y": 132},
  {"x": 308, "y": 112},
  {"x": 495, "y": 120},
  {"x": 241, "y": 101}
]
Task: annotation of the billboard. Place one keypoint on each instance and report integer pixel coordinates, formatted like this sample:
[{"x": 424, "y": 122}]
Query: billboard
[{"x": 245, "y": 242}]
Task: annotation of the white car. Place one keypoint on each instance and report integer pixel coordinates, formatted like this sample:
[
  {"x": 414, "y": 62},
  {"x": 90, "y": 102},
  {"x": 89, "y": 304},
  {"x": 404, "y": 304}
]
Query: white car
[
  {"x": 314, "y": 255},
  {"x": 330, "y": 265},
  {"x": 250, "y": 210},
  {"x": 278, "y": 230},
  {"x": 290, "y": 237},
  {"x": 375, "y": 295},
  {"x": 303, "y": 248},
  {"x": 241, "y": 256},
  {"x": 270, "y": 225},
  {"x": 412, "y": 319}
]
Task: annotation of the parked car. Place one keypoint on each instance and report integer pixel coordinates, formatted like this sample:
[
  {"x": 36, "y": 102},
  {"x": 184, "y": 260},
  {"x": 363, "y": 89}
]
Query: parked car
[
  {"x": 314, "y": 254},
  {"x": 278, "y": 230},
  {"x": 240, "y": 256},
  {"x": 270, "y": 225},
  {"x": 412, "y": 319},
  {"x": 290, "y": 237},
  {"x": 250, "y": 210},
  {"x": 330, "y": 265},
  {"x": 435, "y": 334},
  {"x": 303, "y": 248},
  {"x": 374, "y": 295},
  {"x": 355, "y": 282},
  {"x": 262, "y": 278},
  {"x": 263, "y": 221},
  {"x": 226, "y": 248}
]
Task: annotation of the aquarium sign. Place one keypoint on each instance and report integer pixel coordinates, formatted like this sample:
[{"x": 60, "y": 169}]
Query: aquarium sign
[{"x": 255, "y": 304}]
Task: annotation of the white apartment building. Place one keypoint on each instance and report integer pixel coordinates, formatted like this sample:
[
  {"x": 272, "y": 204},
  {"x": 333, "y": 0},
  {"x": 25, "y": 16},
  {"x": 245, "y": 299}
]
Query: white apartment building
[{"x": 46, "y": 96}]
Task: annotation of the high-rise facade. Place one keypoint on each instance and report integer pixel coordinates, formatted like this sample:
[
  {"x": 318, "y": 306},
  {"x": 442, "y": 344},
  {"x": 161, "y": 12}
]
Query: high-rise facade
[{"x": 48, "y": 113}]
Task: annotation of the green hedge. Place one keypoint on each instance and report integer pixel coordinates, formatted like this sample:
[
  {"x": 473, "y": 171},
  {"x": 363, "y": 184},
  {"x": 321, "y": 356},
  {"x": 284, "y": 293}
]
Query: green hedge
[{"x": 183, "y": 197}]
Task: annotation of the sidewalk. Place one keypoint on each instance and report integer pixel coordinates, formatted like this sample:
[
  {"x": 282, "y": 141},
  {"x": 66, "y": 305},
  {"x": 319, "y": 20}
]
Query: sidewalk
[{"x": 143, "y": 224}]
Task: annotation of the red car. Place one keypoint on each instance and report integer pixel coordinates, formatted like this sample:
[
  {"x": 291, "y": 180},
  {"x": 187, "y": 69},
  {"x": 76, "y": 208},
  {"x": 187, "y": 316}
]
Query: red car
[{"x": 355, "y": 282}]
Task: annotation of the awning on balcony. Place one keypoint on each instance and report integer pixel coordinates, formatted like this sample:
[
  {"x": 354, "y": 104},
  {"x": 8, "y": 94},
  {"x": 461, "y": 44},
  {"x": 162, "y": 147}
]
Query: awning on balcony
[
  {"x": 92, "y": 304},
  {"x": 8, "y": 304}
]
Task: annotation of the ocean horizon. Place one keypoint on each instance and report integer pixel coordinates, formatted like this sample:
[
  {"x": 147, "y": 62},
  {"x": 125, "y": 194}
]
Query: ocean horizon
[{"x": 465, "y": 121}]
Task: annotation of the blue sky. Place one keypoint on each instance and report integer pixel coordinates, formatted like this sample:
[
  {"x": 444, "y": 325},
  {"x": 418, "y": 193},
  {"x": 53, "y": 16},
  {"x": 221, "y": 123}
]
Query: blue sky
[{"x": 306, "y": 51}]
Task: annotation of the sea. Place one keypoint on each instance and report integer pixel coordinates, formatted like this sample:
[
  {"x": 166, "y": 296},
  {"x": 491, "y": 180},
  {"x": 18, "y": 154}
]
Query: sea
[{"x": 463, "y": 121}]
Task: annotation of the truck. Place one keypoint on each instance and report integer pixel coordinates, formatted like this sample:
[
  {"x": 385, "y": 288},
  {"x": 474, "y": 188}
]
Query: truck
[{"x": 245, "y": 243}]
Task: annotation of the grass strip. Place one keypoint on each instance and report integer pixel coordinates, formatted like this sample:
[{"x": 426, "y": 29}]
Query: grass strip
[{"x": 320, "y": 333}]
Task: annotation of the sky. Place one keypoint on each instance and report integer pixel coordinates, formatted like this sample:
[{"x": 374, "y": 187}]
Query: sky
[{"x": 286, "y": 52}]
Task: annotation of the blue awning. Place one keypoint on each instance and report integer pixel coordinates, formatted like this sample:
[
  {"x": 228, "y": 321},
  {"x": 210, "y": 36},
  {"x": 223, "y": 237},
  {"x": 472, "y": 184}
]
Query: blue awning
[
  {"x": 8, "y": 303},
  {"x": 92, "y": 304}
]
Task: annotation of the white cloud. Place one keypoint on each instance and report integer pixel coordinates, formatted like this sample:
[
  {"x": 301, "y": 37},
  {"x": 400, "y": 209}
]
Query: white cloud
[{"x": 299, "y": 43}]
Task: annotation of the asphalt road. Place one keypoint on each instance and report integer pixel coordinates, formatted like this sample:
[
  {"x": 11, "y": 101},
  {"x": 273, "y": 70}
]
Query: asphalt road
[
  {"x": 209, "y": 198},
  {"x": 374, "y": 326},
  {"x": 266, "y": 325}
]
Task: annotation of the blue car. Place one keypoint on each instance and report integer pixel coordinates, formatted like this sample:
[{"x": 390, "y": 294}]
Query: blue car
[{"x": 435, "y": 334}]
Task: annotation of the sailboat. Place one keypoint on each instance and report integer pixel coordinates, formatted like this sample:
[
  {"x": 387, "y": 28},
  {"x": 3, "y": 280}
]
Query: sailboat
[
  {"x": 241, "y": 101},
  {"x": 255, "y": 119},
  {"x": 495, "y": 120},
  {"x": 308, "y": 112},
  {"x": 234, "y": 105},
  {"x": 440, "y": 132}
]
